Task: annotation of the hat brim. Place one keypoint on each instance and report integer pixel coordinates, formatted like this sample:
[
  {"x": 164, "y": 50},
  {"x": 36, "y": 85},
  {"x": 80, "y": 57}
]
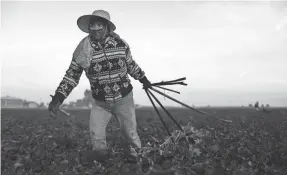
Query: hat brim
[{"x": 83, "y": 22}]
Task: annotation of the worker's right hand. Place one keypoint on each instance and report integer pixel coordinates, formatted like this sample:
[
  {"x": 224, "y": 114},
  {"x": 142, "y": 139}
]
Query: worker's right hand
[{"x": 54, "y": 108}]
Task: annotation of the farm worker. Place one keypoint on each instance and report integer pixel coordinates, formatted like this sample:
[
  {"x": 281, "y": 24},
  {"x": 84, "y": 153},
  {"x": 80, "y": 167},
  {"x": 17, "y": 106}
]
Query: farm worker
[
  {"x": 256, "y": 106},
  {"x": 107, "y": 61}
]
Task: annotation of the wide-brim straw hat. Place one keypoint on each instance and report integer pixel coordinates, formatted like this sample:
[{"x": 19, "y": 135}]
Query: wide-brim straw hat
[{"x": 84, "y": 21}]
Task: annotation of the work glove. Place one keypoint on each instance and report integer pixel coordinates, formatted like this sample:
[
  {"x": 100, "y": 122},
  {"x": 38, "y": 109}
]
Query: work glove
[
  {"x": 54, "y": 107},
  {"x": 146, "y": 83}
]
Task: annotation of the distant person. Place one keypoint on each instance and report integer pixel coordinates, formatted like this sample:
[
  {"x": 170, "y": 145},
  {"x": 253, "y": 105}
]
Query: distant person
[
  {"x": 265, "y": 108},
  {"x": 256, "y": 105},
  {"x": 107, "y": 61}
]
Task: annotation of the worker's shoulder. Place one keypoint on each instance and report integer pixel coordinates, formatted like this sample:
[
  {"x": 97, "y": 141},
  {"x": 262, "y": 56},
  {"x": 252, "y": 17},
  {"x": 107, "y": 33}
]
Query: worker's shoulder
[
  {"x": 84, "y": 40},
  {"x": 82, "y": 45}
]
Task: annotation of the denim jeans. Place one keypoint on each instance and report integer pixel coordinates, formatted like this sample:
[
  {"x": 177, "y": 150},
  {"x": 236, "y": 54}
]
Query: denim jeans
[{"x": 101, "y": 114}]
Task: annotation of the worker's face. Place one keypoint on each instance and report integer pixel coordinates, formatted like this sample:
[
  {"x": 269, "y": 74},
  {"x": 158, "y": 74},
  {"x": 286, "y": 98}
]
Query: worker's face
[{"x": 98, "y": 29}]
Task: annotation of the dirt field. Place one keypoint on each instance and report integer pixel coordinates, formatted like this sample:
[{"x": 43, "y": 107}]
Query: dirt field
[{"x": 254, "y": 143}]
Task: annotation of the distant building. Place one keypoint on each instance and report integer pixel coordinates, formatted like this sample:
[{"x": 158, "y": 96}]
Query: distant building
[
  {"x": 11, "y": 102},
  {"x": 32, "y": 104}
]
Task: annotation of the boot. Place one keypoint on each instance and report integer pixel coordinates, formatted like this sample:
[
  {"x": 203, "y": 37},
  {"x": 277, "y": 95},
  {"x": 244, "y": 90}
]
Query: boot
[
  {"x": 131, "y": 155},
  {"x": 101, "y": 156}
]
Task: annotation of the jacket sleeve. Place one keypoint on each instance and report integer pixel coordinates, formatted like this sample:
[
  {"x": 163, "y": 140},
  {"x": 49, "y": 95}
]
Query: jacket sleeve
[
  {"x": 133, "y": 68},
  {"x": 69, "y": 82},
  {"x": 73, "y": 73}
]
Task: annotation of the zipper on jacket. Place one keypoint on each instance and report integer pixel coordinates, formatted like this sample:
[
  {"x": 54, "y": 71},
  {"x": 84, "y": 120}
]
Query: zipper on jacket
[{"x": 103, "y": 49}]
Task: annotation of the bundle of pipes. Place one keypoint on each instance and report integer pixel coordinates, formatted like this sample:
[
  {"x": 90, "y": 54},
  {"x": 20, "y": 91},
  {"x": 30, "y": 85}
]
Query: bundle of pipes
[{"x": 172, "y": 82}]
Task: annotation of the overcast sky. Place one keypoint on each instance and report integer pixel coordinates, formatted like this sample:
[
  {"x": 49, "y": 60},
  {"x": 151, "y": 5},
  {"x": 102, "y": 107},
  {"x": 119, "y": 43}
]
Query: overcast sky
[{"x": 232, "y": 53}]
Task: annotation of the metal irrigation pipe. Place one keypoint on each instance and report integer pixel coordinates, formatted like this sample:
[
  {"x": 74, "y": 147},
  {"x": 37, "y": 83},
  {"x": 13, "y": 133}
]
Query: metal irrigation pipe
[
  {"x": 147, "y": 92},
  {"x": 167, "y": 89},
  {"x": 171, "y": 117},
  {"x": 172, "y": 81},
  {"x": 201, "y": 112},
  {"x": 228, "y": 121},
  {"x": 168, "y": 83},
  {"x": 180, "y": 79}
]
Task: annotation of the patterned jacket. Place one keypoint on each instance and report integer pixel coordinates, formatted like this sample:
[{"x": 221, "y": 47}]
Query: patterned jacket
[{"x": 106, "y": 66}]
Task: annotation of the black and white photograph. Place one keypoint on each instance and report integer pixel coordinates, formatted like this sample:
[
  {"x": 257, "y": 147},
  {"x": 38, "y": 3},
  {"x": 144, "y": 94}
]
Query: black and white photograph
[{"x": 143, "y": 87}]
